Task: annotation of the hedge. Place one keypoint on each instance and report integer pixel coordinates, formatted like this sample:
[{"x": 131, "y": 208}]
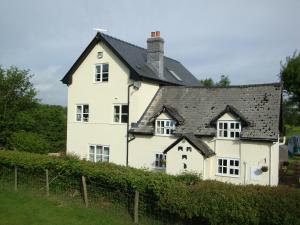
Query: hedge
[{"x": 201, "y": 202}]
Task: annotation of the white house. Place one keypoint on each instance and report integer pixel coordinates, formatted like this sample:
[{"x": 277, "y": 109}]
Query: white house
[{"x": 134, "y": 106}]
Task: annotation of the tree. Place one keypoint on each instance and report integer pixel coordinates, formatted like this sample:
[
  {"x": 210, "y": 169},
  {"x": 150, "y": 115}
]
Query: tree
[
  {"x": 224, "y": 81},
  {"x": 290, "y": 76},
  {"x": 208, "y": 82},
  {"x": 17, "y": 94}
]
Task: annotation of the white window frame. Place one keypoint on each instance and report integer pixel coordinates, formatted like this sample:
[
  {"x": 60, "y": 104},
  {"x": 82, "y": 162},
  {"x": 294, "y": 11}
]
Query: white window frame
[
  {"x": 100, "y": 74},
  {"x": 164, "y": 130},
  {"x": 120, "y": 114},
  {"x": 84, "y": 116},
  {"x": 158, "y": 157},
  {"x": 101, "y": 156},
  {"x": 221, "y": 131},
  {"x": 230, "y": 169}
]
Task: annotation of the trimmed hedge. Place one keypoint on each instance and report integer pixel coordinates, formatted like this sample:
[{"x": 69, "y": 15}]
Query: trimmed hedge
[{"x": 205, "y": 202}]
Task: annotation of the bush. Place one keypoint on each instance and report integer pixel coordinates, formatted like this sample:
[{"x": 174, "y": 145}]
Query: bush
[
  {"x": 189, "y": 178},
  {"x": 206, "y": 202}
]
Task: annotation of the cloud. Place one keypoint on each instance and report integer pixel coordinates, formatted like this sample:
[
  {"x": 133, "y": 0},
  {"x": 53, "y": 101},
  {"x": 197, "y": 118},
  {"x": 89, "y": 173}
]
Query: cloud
[{"x": 243, "y": 39}]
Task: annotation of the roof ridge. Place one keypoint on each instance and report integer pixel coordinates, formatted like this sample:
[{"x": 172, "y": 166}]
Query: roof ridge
[
  {"x": 134, "y": 45},
  {"x": 126, "y": 42},
  {"x": 277, "y": 84}
]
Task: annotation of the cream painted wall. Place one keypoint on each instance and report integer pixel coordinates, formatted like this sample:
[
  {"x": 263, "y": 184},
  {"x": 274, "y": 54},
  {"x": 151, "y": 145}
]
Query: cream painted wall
[
  {"x": 101, "y": 97},
  {"x": 175, "y": 162}
]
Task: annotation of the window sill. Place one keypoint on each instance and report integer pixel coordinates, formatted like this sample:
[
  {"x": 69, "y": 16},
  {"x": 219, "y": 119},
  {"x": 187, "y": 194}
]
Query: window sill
[
  {"x": 164, "y": 135},
  {"x": 230, "y": 139},
  {"x": 227, "y": 175}
]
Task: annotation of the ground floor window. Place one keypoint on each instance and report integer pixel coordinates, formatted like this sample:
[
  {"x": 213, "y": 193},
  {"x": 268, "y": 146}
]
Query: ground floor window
[
  {"x": 160, "y": 160},
  {"x": 99, "y": 153},
  {"x": 229, "y": 167}
]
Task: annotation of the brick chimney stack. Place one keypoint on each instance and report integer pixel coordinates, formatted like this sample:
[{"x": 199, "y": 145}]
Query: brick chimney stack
[{"x": 155, "y": 53}]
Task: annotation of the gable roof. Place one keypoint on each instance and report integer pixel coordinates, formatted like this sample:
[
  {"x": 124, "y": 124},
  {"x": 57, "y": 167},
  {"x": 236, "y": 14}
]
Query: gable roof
[
  {"x": 233, "y": 111},
  {"x": 134, "y": 58},
  {"x": 260, "y": 105},
  {"x": 172, "y": 112},
  {"x": 197, "y": 143}
]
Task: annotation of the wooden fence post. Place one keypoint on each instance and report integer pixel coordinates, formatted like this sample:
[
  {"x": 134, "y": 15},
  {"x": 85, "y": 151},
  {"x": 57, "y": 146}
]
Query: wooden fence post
[
  {"x": 85, "y": 192},
  {"x": 16, "y": 178},
  {"x": 47, "y": 182},
  {"x": 136, "y": 207}
]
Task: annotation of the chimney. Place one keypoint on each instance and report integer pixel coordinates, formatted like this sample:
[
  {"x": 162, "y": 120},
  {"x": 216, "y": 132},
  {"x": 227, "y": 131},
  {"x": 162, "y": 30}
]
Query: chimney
[{"x": 155, "y": 53}]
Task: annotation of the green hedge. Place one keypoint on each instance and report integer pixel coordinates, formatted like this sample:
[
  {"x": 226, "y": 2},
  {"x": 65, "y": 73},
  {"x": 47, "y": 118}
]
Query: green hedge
[{"x": 205, "y": 202}]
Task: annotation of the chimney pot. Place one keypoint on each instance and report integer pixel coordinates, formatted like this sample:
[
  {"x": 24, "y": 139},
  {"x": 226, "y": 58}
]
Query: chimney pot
[
  {"x": 153, "y": 34},
  {"x": 157, "y": 33}
]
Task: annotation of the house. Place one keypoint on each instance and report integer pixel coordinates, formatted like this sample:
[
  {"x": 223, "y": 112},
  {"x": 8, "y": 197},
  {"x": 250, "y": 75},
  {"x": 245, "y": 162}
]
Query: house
[{"x": 134, "y": 106}]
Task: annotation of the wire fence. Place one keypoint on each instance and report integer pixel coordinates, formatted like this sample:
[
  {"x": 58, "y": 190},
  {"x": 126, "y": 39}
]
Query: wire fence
[{"x": 142, "y": 208}]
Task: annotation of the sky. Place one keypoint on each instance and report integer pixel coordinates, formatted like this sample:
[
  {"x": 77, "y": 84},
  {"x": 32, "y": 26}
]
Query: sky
[{"x": 245, "y": 40}]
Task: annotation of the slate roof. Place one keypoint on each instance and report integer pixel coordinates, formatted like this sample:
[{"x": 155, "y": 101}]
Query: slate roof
[
  {"x": 203, "y": 148},
  {"x": 259, "y": 105},
  {"x": 135, "y": 58}
]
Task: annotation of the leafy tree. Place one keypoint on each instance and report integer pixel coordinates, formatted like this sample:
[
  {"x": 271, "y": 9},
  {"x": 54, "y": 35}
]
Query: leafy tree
[
  {"x": 25, "y": 124},
  {"x": 208, "y": 82},
  {"x": 291, "y": 115},
  {"x": 16, "y": 95},
  {"x": 290, "y": 76},
  {"x": 224, "y": 81}
]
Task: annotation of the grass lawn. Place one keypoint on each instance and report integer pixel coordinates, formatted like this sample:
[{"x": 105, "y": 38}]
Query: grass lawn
[
  {"x": 292, "y": 131},
  {"x": 26, "y": 209}
]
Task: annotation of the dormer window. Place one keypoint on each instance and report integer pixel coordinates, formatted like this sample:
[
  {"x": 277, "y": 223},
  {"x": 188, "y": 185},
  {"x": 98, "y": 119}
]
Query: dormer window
[
  {"x": 229, "y": 129},
  {"x": 101, "y": 73},
  {"x": 164, "y": 127}
]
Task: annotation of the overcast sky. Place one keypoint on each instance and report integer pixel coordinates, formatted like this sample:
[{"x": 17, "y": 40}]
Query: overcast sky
[{"x": 243, "y": 39}]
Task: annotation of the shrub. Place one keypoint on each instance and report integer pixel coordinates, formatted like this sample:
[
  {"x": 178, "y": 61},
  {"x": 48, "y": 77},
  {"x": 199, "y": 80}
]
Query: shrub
[
  {"x": 189, "y": 178},
  {"x": 205, "y": 202}
]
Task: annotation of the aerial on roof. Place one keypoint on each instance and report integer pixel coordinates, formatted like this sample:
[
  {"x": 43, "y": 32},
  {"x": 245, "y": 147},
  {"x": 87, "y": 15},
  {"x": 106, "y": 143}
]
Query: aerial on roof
[
  {"x": 135, "y": 57},
  {"x": 257, "y": 106}
]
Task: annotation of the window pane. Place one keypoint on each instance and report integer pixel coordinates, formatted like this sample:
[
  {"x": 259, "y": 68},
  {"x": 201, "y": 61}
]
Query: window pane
[
  {"x": 124, "y": 108},
  {"x": 167, "y": 131},
  {"x": 236, "y": 172},
  {"x": 98, "y": 77},
  {"x": 225, "y": 133},
  {"x": 162, "y": 123},
  {"x": 231, "y": 125},
  {"x": 105, "y": 68},
  {"x": 167, "y": 123},
  {"x": 224, "y": 169},
  {"x": 237, "y": 163},
  {"x": 117, "y": 109},
  {"x": 180, "y": 148},
  {"x": 91, "y": 158},
  {"x": 105, "y": 77},
  {"x": 98, "y": 158},
  {"x": 116, "y": 118},
  {"x": 106, "y": 150},
  {"x": 225, "y": 125},
  {"x": 79, "y": 109},
  {"x": 92, "y": 149},
  {"x": 224, "y": 162},
  {"x": 219, "y": 169},
  {"x": 231, "y": 171},
  {"x": 78, "y": 117},
  {"x": 124, "y": 118},
  {"x": 98, "y": 68},
  {"x": 220, "y": 133},
  {"x": 231, "y": 162},
  {"x": 237, "y": 134},
  {"x": 237, "y": 126},
  {"x": 232, "y": 134},
  {"x": 86, "y": 108},
  {"x": 220, "y": 125},
  {"x": 220, "y": 162},
  {"x": 85, "y": 117},
  {"x": 98, "y": 149}
]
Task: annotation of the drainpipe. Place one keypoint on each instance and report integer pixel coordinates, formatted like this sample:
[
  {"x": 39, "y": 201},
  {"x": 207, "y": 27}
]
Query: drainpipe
[
  {"x": 270, "y": 166},
  {"x": 127, "y": 135}
]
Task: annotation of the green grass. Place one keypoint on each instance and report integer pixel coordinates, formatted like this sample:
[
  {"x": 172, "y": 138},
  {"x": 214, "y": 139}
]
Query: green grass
[
  {"x": 292, "y": 131},
  {"x": 26, "y": 209}
]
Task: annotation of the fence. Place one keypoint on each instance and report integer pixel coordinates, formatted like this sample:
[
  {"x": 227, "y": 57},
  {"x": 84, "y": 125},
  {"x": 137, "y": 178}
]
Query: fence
[{"x": 141, "y": 207}]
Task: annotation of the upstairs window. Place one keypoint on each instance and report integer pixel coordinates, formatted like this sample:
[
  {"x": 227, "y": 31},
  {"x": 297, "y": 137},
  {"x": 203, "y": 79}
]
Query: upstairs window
[
  {"x": 99, "y": 153},
  {"x": 228, "y": 167},
  {"x": 101, "y": 72},
  {"x": 160, "y": 161},
  {"x": 82, "y": 113},
  {"x": 120, "y": 113},
  {"x": 164, "y": 127},
  {"x": 229, "y": 129}
]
